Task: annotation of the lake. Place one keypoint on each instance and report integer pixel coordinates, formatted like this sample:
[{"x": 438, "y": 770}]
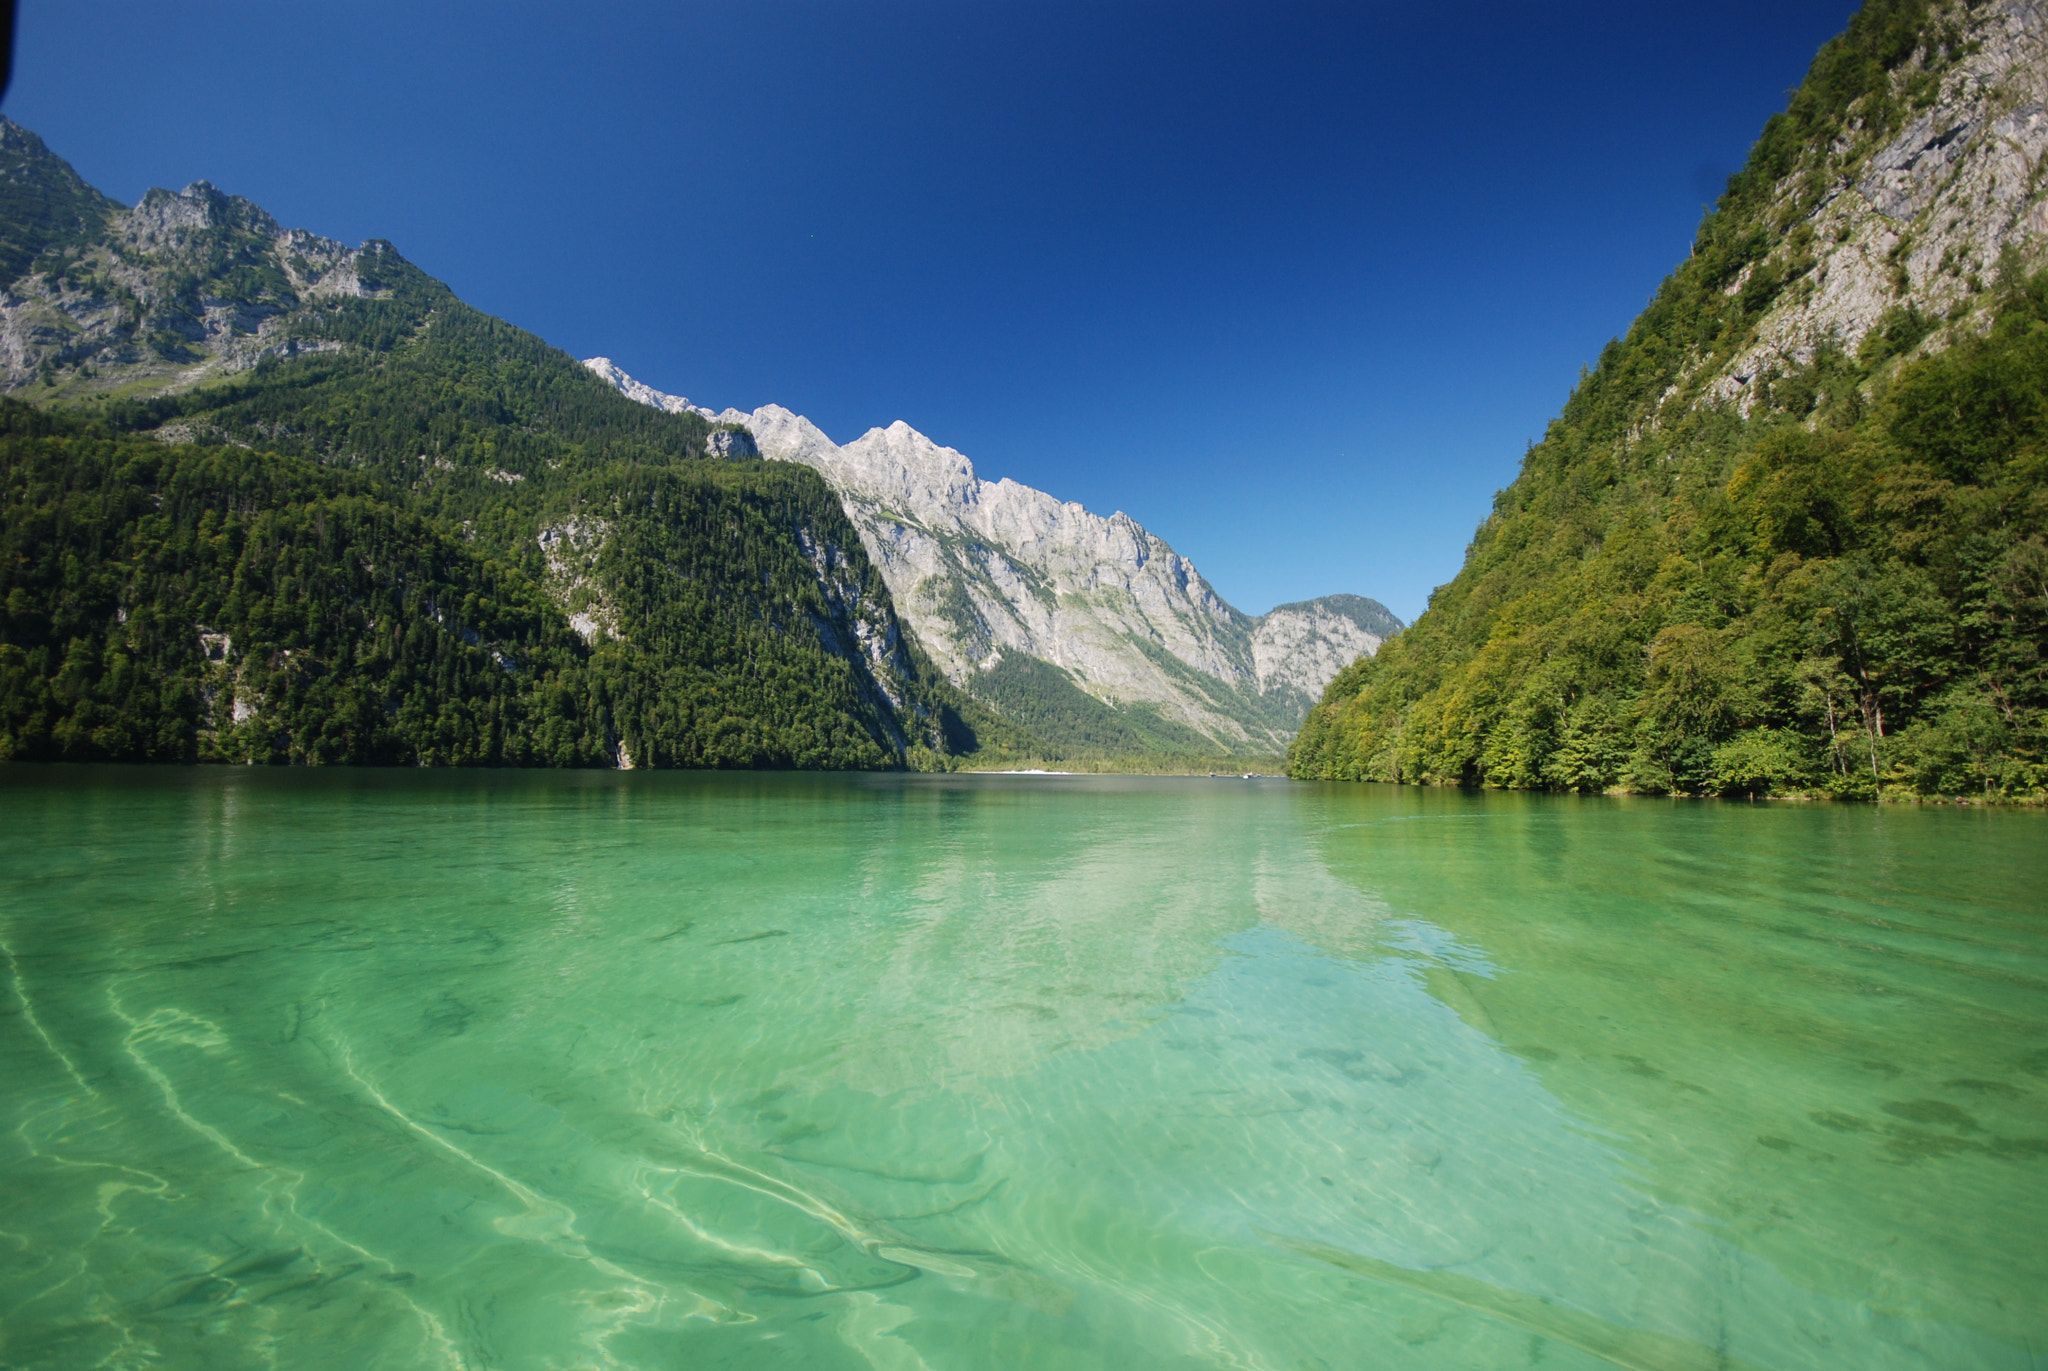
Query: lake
[{"x": 379, "y": 1069}]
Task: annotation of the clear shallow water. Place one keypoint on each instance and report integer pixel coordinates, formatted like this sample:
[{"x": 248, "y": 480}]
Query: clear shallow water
[{"x": 361, "y": 1069}]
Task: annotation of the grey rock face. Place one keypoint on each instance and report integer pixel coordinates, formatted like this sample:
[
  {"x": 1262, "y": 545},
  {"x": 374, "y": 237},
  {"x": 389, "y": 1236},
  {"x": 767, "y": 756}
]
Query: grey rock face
[
  {"x": 645, "y": 394},
  {"x": 1902, "y": 177},
  {"x": 123, "y": 309},
  {"x": 1922, "y": 221},
  {"x": 731, "y": 442},
  {"x": 1299, "y": 648},
  {"x": 572, "y": 550},
  {"x": 982, "y": 568}
]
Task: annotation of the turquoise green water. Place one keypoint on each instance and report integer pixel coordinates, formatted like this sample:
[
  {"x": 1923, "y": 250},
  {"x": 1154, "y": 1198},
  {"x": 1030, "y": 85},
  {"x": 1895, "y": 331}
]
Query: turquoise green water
[{"x": 379, "y": 1070}]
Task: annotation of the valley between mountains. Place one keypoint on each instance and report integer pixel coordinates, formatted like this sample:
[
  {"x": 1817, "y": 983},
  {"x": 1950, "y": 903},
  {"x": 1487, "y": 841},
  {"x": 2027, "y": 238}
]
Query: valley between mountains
[
  {"x": 275, "y": 499},
  {"x": 270, "y": 498}
]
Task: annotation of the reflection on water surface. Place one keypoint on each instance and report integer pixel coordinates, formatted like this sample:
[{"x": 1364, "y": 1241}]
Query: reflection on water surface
[{"x": 656, "y": 1070}]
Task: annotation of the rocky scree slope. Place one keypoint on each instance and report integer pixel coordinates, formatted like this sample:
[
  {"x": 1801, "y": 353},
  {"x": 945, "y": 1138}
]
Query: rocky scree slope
[
  {"x": 291, "y": 501},
  {"x": 1041, "y": 607},
  {"x": 1791, "y": 534}
]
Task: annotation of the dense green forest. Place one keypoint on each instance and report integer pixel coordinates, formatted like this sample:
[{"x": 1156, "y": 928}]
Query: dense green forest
[
  {"x": 1067, "y": 722},
  {"x": 181, "y": 603},
  {"x": 1843, "y": 591}
]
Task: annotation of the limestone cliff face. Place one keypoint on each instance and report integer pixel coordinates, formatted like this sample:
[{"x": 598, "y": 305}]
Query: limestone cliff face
[
  {"x": 1921, "y": 221},
  {"x": 980, "y": 569},
  {"x": 1300, "y": 648}
]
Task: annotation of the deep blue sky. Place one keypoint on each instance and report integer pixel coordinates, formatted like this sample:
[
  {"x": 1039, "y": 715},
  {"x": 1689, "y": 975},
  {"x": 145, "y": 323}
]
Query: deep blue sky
[{"x": 1293, "y": 284}]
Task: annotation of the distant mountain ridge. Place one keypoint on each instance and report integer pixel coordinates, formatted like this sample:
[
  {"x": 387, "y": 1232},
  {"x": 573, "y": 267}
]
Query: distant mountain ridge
[
  {"x": 1014, "y": 592},
  {"x": 614, "y": 376}
]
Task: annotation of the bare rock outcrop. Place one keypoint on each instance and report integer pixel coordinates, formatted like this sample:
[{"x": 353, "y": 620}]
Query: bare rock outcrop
[{"x": 1920, "y": 223}]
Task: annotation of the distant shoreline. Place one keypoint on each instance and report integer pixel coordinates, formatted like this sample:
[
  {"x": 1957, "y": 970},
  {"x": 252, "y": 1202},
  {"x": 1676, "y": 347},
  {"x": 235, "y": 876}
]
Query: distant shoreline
[{"x": 1125, "y": 767}]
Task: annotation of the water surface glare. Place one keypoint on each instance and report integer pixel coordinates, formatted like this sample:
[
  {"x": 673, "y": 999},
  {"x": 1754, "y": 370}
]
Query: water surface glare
[{"x": 359, "y": 1069}]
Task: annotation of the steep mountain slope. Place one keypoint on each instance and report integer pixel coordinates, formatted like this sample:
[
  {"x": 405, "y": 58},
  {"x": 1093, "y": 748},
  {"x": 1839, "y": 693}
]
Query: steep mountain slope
[
  {"x": 45, "y": 206},
  {"x": 358, "y": 480},
  {"x": 1791, "y": 535},
  {"x": 1091, "y": 631}
]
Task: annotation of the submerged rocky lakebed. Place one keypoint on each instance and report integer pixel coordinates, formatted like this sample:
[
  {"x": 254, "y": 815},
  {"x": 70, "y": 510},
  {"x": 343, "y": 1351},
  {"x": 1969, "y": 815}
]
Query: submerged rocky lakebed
[{"x": 660, "y": 1070}]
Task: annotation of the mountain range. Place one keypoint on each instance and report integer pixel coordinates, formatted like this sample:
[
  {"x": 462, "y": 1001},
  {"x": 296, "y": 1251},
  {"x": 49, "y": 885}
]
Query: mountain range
[
  {"x": 1025, "y": 600},
  {"x": 568, "y": 568}
]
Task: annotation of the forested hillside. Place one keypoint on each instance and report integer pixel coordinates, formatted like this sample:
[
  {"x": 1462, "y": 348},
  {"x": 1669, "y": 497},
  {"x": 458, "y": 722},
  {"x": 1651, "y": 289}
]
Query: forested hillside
[
  {"x": 286, "y": 501},
  {"x": 182, "y": 603},
  {"x": 1791, "y": 534}
]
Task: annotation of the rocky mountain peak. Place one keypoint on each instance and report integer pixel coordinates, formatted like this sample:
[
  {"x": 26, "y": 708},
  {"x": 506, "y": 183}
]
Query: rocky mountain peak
[
  {"x": 789, "y": 436},
  {"x": 186, "y": 284},
  {"x": 899, "y": 465},
  {"x": 993, "y": 573},
  {"x": 201, "y": 205},
  {"x": 615, "y": 376}
]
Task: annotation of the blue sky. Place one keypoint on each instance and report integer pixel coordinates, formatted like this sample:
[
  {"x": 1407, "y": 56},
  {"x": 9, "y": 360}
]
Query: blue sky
[{"x": 1292, "y": 284}]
